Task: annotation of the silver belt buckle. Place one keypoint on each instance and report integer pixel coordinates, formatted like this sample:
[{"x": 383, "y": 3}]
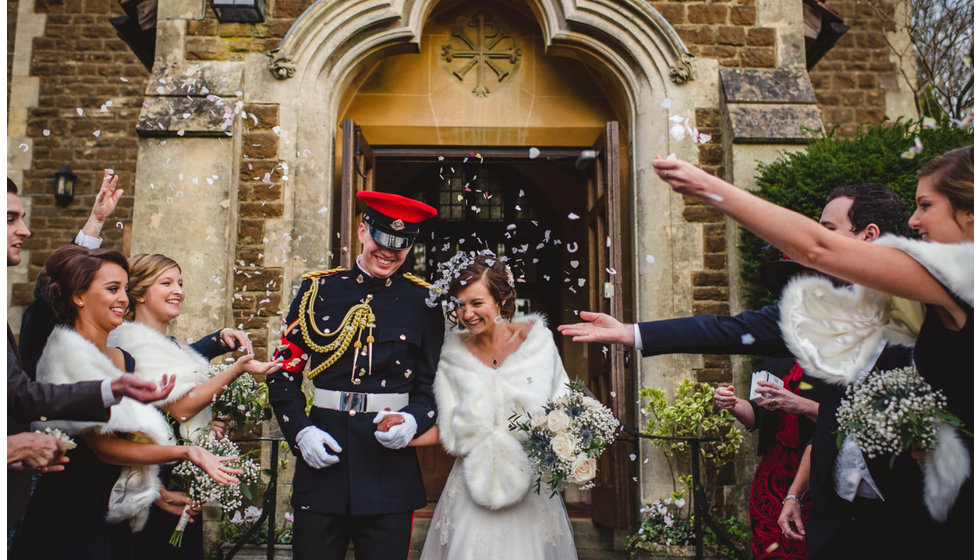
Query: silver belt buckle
[{"x": 356, "y": 402}]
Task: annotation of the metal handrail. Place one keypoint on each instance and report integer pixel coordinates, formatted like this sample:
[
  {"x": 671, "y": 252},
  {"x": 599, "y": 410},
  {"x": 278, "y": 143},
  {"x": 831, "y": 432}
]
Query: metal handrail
[
  {"x": 701, "y": 513},
  {"x": 268, "y": 504}
]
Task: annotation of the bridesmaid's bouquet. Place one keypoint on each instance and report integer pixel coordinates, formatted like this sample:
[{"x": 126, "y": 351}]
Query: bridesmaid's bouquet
[
  {"x": 244, "y": 401},
  {"x": 201, "y": 488},
  {"x": 565, "y": 440},
  {"x": 892, "y": 412}
]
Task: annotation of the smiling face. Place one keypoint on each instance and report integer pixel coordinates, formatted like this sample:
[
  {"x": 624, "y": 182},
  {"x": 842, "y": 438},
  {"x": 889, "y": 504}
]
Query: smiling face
[
  {"x": 17, "y": 230},
  {"x": 103, "y": 304},
  {"x": 935, "y": 218},
  {"x": 163, "y": 299},
  {"x": 376, "y": 260},
  {"x": 477, "y": 310}
]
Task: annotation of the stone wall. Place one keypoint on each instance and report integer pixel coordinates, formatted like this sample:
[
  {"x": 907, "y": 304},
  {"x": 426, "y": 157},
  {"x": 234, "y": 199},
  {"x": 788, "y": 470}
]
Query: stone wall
[
  {"x": 854, "y": 79},
  {"x": 90, "y": 88},
  {"x": 726, "y": 31}
]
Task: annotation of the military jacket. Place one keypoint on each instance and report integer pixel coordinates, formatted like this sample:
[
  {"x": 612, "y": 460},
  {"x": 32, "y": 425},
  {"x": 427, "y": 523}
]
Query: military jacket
[{"x": 407, "y": 338}]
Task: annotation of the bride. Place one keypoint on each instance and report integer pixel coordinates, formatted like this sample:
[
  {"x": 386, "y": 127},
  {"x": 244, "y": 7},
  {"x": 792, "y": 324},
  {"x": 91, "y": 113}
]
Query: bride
[{"x": 487, "y": 372}]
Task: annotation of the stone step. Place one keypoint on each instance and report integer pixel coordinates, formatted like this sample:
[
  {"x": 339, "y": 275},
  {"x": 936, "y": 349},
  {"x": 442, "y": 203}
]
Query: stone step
[{"x": 592, "y": 542}]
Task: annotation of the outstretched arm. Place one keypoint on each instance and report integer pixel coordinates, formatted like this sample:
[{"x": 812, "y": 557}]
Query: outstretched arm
[
  {"x": 201, "y": 396},
  {"x": 114, "y": 450},
  {"x": 878, "y": 267}
]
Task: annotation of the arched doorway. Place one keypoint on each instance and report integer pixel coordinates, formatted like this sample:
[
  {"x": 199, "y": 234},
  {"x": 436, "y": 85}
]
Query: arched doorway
[{"x": 535, "y": 167}]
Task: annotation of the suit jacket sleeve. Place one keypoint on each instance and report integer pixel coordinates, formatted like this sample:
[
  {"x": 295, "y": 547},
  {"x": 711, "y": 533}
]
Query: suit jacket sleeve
[
  {"x": 210, "y": 346},
  {"x": 286, "y": 385},
  {"x": 28, "y": 400},
  {"x": 750, "y": 332},
  {"x": 421, "y": 400}
]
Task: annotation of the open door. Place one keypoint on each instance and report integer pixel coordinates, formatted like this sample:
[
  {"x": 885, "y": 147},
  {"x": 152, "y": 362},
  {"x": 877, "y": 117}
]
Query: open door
[
  {"x": 614, "y": 497},
  {"x": 357, "y": 174}
]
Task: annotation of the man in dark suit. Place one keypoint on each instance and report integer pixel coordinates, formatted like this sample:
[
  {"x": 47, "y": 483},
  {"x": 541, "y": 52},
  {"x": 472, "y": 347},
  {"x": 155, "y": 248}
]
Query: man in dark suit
[
  {"x": 860, "y": 211},
  {"x": 372, "y": 345},
  {"x": 28, "y": 400}
]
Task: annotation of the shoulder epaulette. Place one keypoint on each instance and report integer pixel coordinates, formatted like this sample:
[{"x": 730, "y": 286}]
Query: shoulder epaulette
[
  {"x": 322, "y": 273},
  {"x": 416, "y": 280}
]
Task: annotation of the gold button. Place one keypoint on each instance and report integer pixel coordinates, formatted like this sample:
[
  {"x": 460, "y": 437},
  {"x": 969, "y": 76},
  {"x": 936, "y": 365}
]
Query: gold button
[
  {"x": 362, "y": 372},
  {"x": 356, "y": 381},
  {"x": 401, "y": 337},
  {"x": 352, "y": 412},
  {"x": 408, "y": 373}
]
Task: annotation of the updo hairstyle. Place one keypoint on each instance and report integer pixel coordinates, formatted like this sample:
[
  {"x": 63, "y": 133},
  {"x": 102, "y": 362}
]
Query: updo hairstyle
[
  {"x": 71, "y": 270},
  {"x": 953, "y": 172},
  {"x": 144, "y": 269},
  {"x": 493, "y": 273}
]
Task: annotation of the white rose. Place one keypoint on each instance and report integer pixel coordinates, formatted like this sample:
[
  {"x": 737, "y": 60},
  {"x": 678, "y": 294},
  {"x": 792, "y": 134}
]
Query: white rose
[
  {"x": 583, "y": 469},
  {"x": 558, "y": 421},
  {"x": 589, "y": 402},
  {"x": 563, "y": 445},
  {"x": 539, "y": 420}
]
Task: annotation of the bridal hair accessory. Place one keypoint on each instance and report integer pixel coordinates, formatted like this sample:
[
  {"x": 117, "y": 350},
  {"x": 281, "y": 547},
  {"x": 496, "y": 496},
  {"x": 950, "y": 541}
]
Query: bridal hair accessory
[{"x": 448, "y": 271}]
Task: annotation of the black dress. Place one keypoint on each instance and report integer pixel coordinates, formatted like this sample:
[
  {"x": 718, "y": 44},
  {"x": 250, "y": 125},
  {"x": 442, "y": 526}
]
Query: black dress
[
  {"x": 65, "y": 519},
  {"x": 944, "y": 358},
  {"x": 153, "y": 542}
]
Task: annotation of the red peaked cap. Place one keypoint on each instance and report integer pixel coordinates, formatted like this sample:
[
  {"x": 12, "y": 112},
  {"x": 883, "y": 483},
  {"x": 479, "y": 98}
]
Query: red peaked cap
[{"x": 394, "y": 220}]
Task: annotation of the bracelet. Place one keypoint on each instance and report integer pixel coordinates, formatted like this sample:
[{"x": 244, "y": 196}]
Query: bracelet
[{"x": 792, "y": 497}]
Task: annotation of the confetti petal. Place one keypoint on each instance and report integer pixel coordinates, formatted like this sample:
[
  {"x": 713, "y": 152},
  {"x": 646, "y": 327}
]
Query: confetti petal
[{"x": 533, "y": 153}]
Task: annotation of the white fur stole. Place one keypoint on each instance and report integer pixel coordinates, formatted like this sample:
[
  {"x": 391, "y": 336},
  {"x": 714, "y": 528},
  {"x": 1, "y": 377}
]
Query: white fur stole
[
  {"x": 157, "y": 355},
  {"x": 69, "y": 358},
  {"x": 475, "y": 403}
]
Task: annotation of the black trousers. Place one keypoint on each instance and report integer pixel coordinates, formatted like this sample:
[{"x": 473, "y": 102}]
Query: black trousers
[
  {"x": 869, "y": 529},
  {"x": 376, "y": 537}
]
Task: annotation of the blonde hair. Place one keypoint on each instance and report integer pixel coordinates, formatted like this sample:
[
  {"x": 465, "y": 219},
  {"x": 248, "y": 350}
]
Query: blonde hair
[{"x": 144, "y": 269}]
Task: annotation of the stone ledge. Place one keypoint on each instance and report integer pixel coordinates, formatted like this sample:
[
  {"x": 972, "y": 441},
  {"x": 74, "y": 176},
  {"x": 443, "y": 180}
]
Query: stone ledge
[
  {"x": 783, "y": 85},
  {"x": 765, "y": 124}
]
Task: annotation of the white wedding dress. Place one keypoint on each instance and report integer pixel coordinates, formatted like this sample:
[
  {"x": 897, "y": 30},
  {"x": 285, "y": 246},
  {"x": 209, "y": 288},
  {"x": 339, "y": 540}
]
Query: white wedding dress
[{"x": 488, "y": 509}]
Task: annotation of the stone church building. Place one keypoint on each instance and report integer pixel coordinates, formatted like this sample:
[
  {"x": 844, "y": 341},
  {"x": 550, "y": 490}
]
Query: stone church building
[{"x": 529, "y": 124}]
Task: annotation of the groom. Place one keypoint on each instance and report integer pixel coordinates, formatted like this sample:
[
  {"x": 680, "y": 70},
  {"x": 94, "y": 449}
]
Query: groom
[{"x": 371, "y": 345}]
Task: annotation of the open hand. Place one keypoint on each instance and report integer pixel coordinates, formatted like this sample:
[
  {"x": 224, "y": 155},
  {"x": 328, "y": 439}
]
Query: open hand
[
  {"x": 212, "y": 464},
  {"x": 128, "y": 385},
  {"x": 599, "y": 327},
  {"x": 236, "y": 340},
  {"x": 248, "y": 364}
]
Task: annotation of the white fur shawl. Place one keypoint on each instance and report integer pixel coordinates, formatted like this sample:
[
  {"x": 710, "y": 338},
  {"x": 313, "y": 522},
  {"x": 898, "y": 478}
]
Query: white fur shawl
[
  {"x": 157, "y": 355},
  {"x": 476, "y": 401},
  {"x": 69, "y": 358},
  {"x": 833, "y": 332}
]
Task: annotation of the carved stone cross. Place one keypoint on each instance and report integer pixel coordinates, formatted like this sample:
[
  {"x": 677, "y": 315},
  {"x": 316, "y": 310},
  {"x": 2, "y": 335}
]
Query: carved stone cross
[{"x": 482, "y": 52}]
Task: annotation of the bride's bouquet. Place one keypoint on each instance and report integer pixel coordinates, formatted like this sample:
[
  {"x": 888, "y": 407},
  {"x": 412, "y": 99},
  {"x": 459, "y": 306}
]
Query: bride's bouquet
[
  {"x": 201, "y": 488},
  {"x": 892, "y": 412},
  {"x": 565, "y": 440}
]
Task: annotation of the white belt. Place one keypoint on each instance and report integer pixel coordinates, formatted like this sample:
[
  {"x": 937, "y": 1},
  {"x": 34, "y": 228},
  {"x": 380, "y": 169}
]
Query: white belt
[{"x": 346, "y": 401}]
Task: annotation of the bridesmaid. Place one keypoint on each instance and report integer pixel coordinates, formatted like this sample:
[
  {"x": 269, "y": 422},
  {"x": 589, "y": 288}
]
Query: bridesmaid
[{"x": 156, "y": 296}]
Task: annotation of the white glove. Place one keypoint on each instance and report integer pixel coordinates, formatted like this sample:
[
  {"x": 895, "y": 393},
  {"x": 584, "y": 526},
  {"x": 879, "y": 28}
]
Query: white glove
[
  {"x": 311, "y": 441},
  {"x": 397, "y": 437}
]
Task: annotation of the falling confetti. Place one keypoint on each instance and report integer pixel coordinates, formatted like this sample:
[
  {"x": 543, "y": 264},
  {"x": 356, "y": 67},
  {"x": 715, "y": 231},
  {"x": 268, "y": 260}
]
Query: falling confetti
[
  {"x": 573, "y": 264},
  {"x": 123, "y": 79},
  {"x": 804, "y": 386},
  {"x": 533, "y": 153},
  {"x": 322, "y": 211},
  {"x": 665, "y": 103},
  {"x": 24, "y": 147},
  {"x": 573, "y": 216},
  {"x": 632, "y": 456},
  {"x": 748, "y": 339},
  {"x": 772, "y": 547},
  {"x": 716, "y": 197},
  {"x": 914, "y": 150},
  {"x": 79, "y": 111},
  {"x": 46, "y": 132},
  {"x": 119, "y": 225},
  {"x": 572, "y": 247}
]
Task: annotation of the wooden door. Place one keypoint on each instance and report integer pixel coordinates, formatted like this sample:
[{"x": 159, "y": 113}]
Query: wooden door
[
  {"x": 614, "y": 498},
  {"x": 357, "y": 174}
]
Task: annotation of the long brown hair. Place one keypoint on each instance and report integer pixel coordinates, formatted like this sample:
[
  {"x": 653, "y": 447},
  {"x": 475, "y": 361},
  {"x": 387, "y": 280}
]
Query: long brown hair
[
  {"x": 71, "y": 270},
  {"x": 953, "y": 172}
]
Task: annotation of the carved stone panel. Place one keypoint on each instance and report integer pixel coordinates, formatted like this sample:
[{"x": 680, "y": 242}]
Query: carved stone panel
[{"x": 481, "y": 53}]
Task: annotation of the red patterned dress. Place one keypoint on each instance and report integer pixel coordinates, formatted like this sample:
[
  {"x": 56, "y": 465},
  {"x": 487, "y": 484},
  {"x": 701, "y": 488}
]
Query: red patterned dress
[{"x": 782, "y": 439}]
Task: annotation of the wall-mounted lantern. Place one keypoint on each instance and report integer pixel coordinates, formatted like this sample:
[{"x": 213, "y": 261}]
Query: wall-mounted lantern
[
  {"x": 242, "y": 11},
  {"x": 64, "y": 186}
]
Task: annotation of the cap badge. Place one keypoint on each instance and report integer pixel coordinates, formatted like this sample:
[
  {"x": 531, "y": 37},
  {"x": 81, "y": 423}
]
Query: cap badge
[{"x": 398, "y": 225}]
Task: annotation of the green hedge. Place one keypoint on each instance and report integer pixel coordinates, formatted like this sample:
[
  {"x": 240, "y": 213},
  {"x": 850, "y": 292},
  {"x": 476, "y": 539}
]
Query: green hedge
[{"x": 802, "y": 180}]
